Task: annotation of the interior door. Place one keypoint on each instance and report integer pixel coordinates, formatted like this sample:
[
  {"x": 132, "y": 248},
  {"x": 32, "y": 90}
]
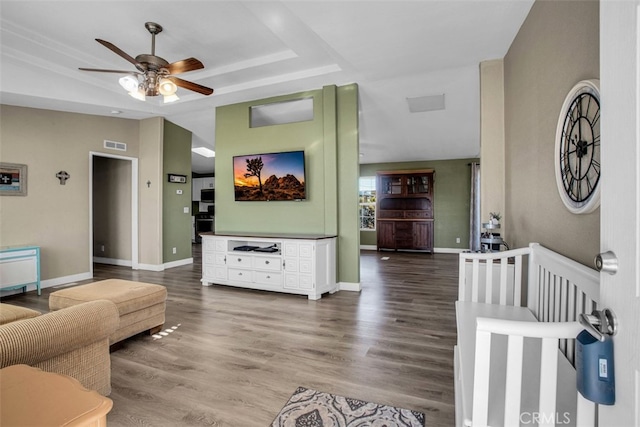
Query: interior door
[{"x": 620, "y": 203}]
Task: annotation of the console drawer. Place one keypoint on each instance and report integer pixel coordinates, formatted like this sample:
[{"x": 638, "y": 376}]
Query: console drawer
[
  {"x": 234, "y": 260},
  {"x": 267, "y": 263},
  {"x": 268, "y": 278},
  {"x": 240, "y": 275}
]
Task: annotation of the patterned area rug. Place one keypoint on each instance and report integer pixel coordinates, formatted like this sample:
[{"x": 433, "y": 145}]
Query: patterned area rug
[{"x": 310, "y": 408}]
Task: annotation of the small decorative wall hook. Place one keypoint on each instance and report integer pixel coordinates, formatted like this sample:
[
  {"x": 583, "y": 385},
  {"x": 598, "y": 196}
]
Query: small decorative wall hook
[
  {"x": 149, "y": 184},
  {"x": 63, "y": 176}
]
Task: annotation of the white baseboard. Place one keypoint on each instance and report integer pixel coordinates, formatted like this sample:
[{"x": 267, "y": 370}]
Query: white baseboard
[
  {"x": 435, "y": 250},
  {"x": 65, "y": 279},
  {"x": 112, "y": 261},
  {"x": 151, "y": 267},
  {"x": 57, "y": 281},
  {"x": 448, "y": 250},
  {"x": 162, "y": 267},
  {"x": 348, "y": 286},
  {"x": 178, "y": 263}
]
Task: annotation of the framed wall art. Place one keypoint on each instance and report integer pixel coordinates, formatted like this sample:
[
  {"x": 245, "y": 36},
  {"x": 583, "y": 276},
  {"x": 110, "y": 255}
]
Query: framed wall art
[{"x": 13, "y": 179}]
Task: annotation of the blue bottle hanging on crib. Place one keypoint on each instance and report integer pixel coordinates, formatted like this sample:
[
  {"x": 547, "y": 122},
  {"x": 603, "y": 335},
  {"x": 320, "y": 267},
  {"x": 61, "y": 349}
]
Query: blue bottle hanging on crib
[{"x": 594, "y": 368}]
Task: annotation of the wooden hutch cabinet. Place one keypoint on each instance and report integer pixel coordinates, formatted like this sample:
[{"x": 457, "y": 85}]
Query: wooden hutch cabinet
[{"x": 404, "y": 210}]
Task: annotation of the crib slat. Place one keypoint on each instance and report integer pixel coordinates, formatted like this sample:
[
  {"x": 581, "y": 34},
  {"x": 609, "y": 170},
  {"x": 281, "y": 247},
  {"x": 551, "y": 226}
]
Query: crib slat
[
  {"x": 488, "y": 297},
  {"x": 513, "y": 388},
  {"x": 462, "y": 279},
  {"x": 586, "y": 412},
  {"x": 548, "y": 380},
  {"x": 564, "y": 301},
  {"x": 481, "y": 379},
  {"x": 557, "y": 283},
  {"x": 517, "y": 283},
  {"x": 564, "y": 316},
  {"x": 571, "y": 306},
  {"x": 546, "y": 299},
  {"x": 475, "y": 279},
  {"x": 503, "y": 280}
]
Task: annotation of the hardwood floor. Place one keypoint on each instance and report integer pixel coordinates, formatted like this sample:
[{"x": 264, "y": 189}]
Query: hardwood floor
[{"x": 237, "y": 355}]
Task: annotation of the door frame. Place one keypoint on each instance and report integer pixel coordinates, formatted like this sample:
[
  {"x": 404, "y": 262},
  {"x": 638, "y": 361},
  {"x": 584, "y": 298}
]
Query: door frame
[{"x": 134, "y": 206}]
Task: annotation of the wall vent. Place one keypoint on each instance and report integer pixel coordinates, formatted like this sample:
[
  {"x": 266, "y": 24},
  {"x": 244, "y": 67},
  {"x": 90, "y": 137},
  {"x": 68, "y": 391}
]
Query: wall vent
[
  {"x": 115, "y": 145},
  {"x": 426, "y": 103}
]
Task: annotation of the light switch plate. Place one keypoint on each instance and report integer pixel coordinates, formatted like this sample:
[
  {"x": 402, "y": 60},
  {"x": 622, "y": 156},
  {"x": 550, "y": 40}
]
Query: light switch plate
[{"x": 186, "y": 209}]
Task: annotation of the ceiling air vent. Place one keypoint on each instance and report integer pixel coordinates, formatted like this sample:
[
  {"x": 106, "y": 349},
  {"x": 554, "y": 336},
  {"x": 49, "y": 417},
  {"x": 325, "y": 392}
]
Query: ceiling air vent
[{"x": 115, "y": 145}]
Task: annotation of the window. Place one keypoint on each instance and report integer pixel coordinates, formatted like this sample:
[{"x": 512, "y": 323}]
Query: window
[{"x": 367, "y": 197}]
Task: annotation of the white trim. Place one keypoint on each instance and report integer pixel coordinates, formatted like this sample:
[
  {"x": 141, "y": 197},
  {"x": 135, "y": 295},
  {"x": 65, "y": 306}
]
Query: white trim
[
  {"x": 368, "y": 247},
  {"x": 348, "y": 286},
  {"x": 65, "y": 279},
  {"x": 435, "y": 250},
  {"x": 51, "y": 283},
  {"x": 178, "y": 263},
  {"x": 151, "y": 267},
  {"x": 162, "y": 267},
  {"x": 449, "y": 250},
  {"x": 112, "y": 261}
]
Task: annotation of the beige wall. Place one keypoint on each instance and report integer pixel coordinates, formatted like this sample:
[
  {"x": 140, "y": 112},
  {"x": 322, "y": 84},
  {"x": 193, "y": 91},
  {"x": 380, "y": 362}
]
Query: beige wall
[
  {"x": 557, "y": 46},
  {"x": 492, "y": 167},
  {"x": 150, "y": 187},
  {"x": 53, "y": 216}
]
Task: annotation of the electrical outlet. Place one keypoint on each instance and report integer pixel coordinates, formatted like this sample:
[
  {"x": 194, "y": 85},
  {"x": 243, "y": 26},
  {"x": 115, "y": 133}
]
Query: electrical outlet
[
  {"x": 178, "y": 191},
  {"x": 174, "y": 250},
  {"x": 102, "y": 248},
  {"x": 457, "y": 240}
]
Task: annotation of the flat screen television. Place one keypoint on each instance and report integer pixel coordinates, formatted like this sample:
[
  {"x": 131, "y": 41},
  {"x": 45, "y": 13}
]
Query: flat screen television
[{"x": 269, "y": 176}]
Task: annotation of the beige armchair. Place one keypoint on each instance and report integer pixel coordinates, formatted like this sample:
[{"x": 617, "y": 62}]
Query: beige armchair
[{"x": 73, "y": 341}]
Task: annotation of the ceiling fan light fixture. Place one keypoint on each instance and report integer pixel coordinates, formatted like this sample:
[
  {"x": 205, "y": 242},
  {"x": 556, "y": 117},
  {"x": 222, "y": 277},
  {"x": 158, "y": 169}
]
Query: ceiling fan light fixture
[
  {"x": 129, "y": 83},
  {"x": 167, "y": 88},
  {"x": 138, "y": 94},
  {"x": 170, "y": 98}
]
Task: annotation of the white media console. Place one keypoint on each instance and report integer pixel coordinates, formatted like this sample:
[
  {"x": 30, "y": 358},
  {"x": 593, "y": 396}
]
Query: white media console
[{"x": 291, "y": 263}]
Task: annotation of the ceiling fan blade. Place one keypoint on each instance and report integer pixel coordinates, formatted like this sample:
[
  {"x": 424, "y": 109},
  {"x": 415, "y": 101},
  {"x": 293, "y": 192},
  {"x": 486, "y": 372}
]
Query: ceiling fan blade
[
  {"x": 100, "y": 70},
  {"x": 122, "y": 53},
  {"x": 191, "y": 86},
  {"x": 185, "y": 65}
]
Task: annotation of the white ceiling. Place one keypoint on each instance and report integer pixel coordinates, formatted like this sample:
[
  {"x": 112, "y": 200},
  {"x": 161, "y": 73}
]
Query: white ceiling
[{"x": 393, "y": 50}]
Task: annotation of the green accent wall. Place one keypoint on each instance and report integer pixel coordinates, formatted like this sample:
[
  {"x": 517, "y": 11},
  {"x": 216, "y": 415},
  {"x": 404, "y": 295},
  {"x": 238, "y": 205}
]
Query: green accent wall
[
  {"x": 452, "y": 188},
  {"x": 329, "y": 206},
  {"x": 176, "y": 224},
  {"x": 347, "y": 182}
]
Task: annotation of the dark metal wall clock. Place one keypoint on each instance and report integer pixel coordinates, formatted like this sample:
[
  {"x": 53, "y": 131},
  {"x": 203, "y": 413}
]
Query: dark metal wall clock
[{"x": 577, "y": 157}]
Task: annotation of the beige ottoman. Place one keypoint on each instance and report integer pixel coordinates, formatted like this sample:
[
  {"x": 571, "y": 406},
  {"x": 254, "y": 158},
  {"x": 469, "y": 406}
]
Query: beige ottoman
[
  {"x": 141, "y": 305},
  {"x": 10, "y": 313}
]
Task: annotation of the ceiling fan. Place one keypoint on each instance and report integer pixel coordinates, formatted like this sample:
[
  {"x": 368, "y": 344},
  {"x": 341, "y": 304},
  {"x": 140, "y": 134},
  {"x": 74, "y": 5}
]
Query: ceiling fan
[{"x": 155, "y": 76}]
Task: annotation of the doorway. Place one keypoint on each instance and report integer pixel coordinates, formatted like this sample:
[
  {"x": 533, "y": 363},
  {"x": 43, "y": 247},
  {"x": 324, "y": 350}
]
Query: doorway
[{"x": 113, "y": 210}]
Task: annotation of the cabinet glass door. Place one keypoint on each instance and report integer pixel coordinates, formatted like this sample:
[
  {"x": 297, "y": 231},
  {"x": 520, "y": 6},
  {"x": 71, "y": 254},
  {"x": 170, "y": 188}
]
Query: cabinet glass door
[
  {"x": 391, "y": 185},
  {"x": 418, "y": 184}
]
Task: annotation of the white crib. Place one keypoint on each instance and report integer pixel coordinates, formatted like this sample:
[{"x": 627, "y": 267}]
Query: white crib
[{"x": 517, "y": 315}]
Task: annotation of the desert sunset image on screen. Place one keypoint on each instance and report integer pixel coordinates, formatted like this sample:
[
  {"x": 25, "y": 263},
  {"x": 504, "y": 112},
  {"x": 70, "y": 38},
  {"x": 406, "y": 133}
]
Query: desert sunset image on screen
[{"x": 272, "y": 176}]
